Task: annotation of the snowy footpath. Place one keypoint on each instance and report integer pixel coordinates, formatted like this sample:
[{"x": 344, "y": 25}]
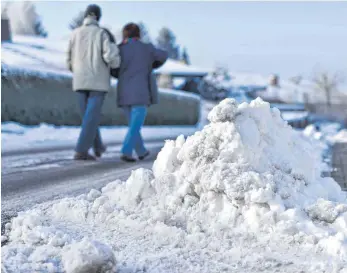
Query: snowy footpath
[
  {"x": 17, "y": 137},
  {"x": 37, "y": 163},
  {"x": 244, "y": 194}
]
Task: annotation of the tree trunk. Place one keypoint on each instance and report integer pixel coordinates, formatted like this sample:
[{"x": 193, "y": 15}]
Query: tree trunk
[{"x": 328, "y": 95}]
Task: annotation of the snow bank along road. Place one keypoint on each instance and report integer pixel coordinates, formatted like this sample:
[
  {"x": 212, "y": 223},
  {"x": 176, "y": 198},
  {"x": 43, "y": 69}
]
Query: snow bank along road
[
  {"x": 244, "y": 194},
  {"x": 40, "y": 175}
]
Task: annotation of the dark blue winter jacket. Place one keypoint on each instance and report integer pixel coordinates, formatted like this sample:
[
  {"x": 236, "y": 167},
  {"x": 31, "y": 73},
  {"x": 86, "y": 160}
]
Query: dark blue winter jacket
[{"x": 136, "y": 83}]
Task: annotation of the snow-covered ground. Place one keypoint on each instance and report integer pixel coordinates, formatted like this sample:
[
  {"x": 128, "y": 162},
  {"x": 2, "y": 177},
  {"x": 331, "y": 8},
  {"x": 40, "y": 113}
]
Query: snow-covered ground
[
  {"x": 37, "y": 54},
  {"x": 287, "y": 91},
  {"x": 18, "y": 137},
  {"x": 323, "y": 136},
  {"x": 244, "y": 194},
  {"x": 327, "y": 132},
  {"x": 341, "y": 136}
]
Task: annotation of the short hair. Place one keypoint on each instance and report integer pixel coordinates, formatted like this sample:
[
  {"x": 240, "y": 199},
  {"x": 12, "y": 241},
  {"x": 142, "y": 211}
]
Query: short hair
[
  {"x": 93, "y": 10},
  {"x": 131, "y": 30}
]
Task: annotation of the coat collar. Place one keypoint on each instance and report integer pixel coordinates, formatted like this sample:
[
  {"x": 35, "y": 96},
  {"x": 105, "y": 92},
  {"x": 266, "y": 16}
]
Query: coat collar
[
  {"x": 90, "y": 21},
  {"x": 129, "y": 40}
]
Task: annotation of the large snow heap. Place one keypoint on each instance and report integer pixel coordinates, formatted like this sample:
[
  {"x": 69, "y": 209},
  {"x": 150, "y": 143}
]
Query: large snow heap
[{"x": 247, "y": 171}]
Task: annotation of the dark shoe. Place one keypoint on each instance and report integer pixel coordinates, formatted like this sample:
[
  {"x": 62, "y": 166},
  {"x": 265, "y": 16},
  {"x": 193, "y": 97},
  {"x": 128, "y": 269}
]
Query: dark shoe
[
  {"x": 142, "y": 157},
  {"x": 127, "y": 158},
  {"x": 83, "y": 156},
  {"x": 98, "y": 153}
]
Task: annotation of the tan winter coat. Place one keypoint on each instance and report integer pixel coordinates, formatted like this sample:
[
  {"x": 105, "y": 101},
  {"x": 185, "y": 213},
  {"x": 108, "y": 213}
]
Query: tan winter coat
[{"x": 90, "y": 57}]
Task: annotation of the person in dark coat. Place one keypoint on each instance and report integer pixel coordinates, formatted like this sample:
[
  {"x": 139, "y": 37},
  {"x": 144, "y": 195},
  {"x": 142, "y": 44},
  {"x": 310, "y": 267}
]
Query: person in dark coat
[{"x": 137, "y": 88}]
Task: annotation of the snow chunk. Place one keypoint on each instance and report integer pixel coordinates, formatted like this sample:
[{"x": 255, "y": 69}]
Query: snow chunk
[
  {"x": 167, "y": 158},
  {"x": 89, "y": 256},
  {"x": 325, "y": 210},
  {"x": 93, "y": 194},
  {"x": 139, "y": 184},
  {"x": 225, "y": 111},
  {"x": 341, "y": 136}
]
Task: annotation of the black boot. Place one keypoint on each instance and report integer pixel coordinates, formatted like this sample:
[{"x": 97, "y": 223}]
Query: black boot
[
  {"x": 127, "y": 158},
  {"x": 83, "y": 156},
  {"x": 142, "y": 157},
  {"x": 98, "y": 153}
]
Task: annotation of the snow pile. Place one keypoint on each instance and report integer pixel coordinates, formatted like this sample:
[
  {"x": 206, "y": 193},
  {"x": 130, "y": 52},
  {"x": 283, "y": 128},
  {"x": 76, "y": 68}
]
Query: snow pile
[
  {"x": 219, "y": 79},
  {"x": 243, "y": 184},
  {"x": 341, "y": 136},
  {"x": 247, "y": 169},
  {"x": 320, "y": 143},
  {"x": 91, "y": 257},
  {"x": 47, "y": 248},
  {"x": 327, "y": 132}
]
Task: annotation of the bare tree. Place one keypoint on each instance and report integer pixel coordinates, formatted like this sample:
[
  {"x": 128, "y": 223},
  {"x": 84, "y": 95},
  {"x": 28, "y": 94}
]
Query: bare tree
[
  {"x": 296, "y": 79},
  {"x": 185, "y": 56},
  {"x": 328, "y": 83},
  {"x": 24, "y": 19},
  {"x": 144, "y": 33},
  {"x": 4, "y": 7},
  {"x": 167, "y": 40},
  {"x": 77, "y": 21}
]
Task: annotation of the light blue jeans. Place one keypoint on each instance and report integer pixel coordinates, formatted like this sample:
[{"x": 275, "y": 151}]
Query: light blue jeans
[
  {"x": 136, "y": 116},
  {"x": 90, "y": 103}
]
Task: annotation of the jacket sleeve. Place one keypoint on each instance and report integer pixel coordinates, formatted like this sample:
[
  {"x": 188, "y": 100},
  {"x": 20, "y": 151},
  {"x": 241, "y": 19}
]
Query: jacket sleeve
[
  {"x": 69, "y": 54},
  {"x": 110, "y": 51},
  {"x": 159, "y": 55}
]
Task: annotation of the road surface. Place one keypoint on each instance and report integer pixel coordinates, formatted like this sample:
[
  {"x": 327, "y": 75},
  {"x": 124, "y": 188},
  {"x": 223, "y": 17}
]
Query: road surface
[{"x": 37, "y": 176}]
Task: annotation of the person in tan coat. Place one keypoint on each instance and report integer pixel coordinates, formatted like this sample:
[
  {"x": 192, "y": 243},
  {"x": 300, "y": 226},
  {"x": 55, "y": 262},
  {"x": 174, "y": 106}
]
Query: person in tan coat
[{"x": 90, "y": 56}]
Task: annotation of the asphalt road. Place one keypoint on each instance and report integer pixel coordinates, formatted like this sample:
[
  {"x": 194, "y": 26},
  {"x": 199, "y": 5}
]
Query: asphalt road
[{"x": 38, "y": 176}]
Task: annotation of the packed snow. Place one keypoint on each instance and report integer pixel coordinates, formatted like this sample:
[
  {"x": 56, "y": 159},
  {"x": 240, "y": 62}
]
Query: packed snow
[
  {"x": 341, "y": 136},
  {"x": 16, "y": 136},
  {"x": 326, "y": 132},
  {"x": 244, "y": 194},
  {"x": 323, "y": 135}
]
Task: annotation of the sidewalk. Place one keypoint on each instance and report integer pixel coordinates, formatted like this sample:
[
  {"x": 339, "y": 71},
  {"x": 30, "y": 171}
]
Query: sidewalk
[
  {"x": 17, "y": 138},
  {"x": 339, "y": 163}
]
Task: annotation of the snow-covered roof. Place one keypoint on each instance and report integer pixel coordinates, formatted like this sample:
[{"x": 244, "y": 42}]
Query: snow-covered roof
[
  {"x": 31, "y": 53},
  {"x": 294, "y": 115},
  {"x": 178, "y": 69}
]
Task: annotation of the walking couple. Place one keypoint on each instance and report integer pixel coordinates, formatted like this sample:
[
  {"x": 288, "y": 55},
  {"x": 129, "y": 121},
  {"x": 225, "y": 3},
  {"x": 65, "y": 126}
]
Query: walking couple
[{"x": 93, "y": 56}]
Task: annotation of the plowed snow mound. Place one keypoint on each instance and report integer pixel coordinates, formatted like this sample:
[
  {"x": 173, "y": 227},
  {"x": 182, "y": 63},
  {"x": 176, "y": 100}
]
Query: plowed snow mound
[{"x": 246, "y": 181}]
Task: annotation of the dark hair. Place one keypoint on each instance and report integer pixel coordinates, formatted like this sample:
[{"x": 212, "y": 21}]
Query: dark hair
[
  {"x": 131, "y": 30},
  {"x": 93, "y": 10}
]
